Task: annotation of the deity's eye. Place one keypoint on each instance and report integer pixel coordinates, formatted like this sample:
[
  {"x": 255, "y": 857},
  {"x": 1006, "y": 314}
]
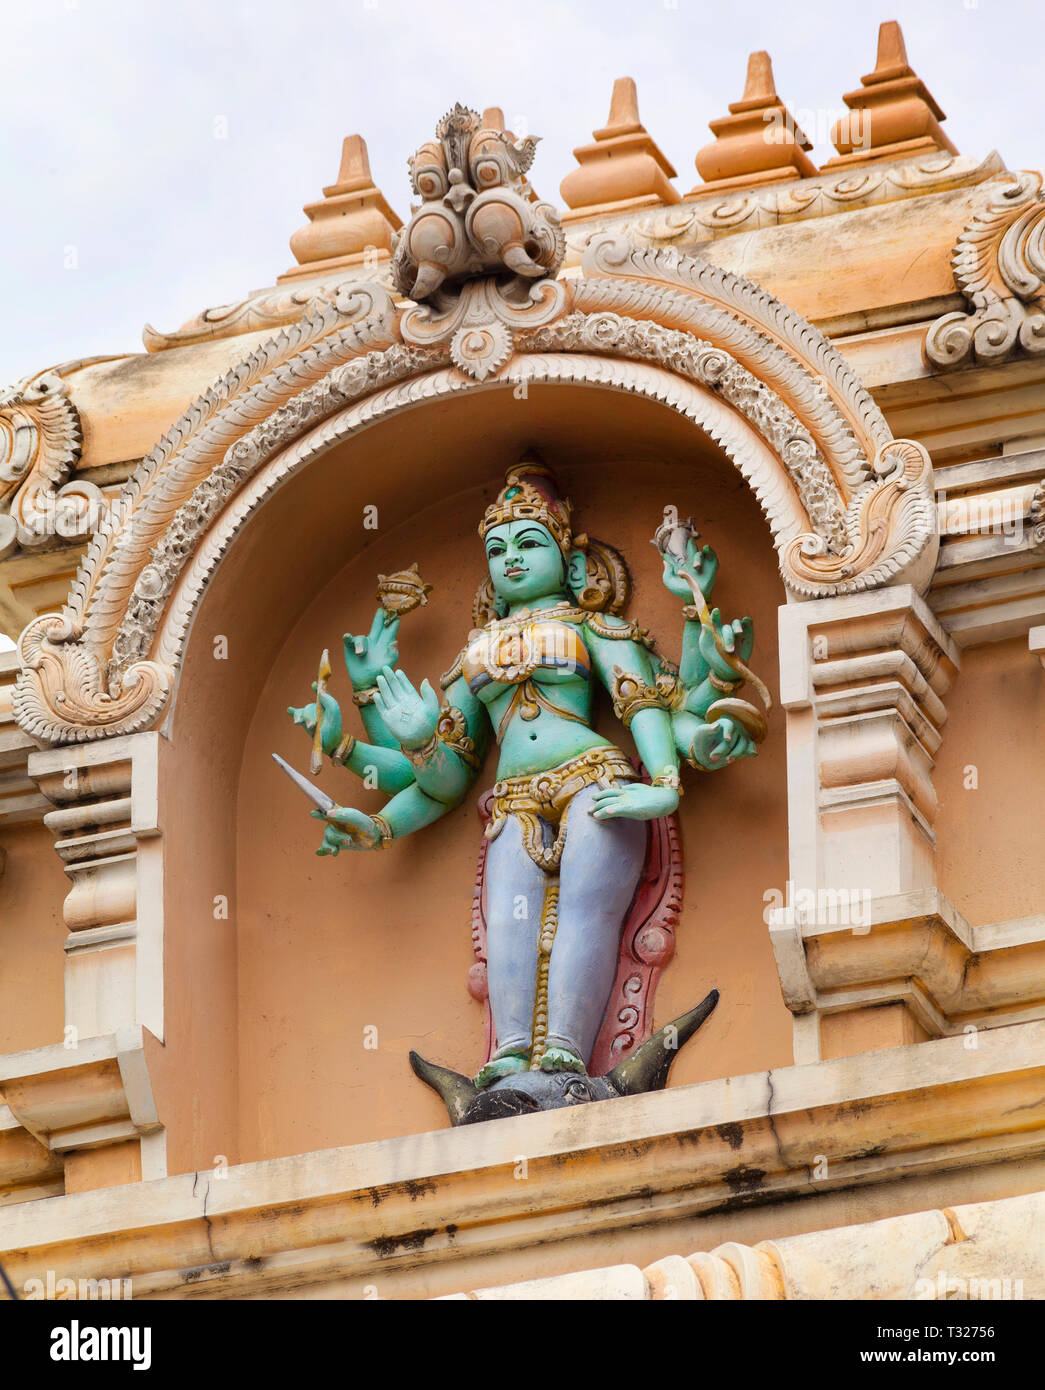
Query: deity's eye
[
  {"x": 529, "y": 544},
  {"x": 496, "y": 549}
]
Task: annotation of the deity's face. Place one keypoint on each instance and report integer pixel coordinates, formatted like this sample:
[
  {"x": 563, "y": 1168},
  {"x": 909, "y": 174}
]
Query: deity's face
[{"x": 525, "y": 562}]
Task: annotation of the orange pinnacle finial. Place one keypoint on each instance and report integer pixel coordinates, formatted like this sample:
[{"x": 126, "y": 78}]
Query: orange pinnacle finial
[
  {"x": 624, "y": 169},
  {"x": 892, "y": 114},
  {"x": 624, "y": 104},
  {"x": 758, "y": 142},
  {"x": 349, "y": 224},
  {"x": 759, "y": 86}
]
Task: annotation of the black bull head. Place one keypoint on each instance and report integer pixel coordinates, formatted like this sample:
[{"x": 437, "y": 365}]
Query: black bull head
[{"x": 525, "y": 1092}]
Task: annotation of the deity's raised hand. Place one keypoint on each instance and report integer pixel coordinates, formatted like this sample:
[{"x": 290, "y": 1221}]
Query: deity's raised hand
[
  {"x": 737, "y": 637},
  {"x": 701, "y": 562},
  {"x": 409, "y": 715},
  {"x": 366, "y": 657},
  {"x": 306, "y": 717},
  {"x": 346, "y": 829}
]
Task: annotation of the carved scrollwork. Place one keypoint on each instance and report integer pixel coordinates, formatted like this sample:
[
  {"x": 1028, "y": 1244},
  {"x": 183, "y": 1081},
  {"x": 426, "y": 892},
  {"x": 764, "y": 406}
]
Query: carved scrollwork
[
  {"x": 63, "y": 696},
  {"x": 776, "y": 344},
  {"x": 850, "y": 507},
  {"x": 40, "y": 443},
  {"x": 353, "y": 299},
  {"x": 889, "y": 525},
  {"x": 715, "y": 215},
  {"x": 479, "y": 321},
  {"x": 999, "y": 265}
]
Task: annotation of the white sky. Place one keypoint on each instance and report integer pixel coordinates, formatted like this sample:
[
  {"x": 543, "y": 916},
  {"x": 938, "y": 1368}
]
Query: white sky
[{"x": 109, "y": 109}]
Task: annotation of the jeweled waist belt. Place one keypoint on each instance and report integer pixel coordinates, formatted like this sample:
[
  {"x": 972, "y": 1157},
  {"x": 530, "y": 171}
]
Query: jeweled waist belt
[{"x": 548, "y": 795}]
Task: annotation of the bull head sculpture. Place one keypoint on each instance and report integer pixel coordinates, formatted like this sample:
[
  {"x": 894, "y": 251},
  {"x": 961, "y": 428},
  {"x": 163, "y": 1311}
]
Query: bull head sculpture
[{"x": 526, "y": 1092}]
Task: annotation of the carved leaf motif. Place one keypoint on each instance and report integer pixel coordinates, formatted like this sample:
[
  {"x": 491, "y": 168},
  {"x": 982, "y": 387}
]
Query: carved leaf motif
[
  {"x": 40, "y": 443},
  {"x": 999, "y": 265}
]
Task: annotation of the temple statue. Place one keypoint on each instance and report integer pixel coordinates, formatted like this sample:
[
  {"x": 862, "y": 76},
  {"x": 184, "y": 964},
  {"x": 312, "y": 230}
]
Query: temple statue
[{"x": 567, "y": 829}]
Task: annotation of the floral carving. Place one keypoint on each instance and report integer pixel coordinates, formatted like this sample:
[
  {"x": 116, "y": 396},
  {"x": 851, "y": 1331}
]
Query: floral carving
[{"x": 999, "y": 265}]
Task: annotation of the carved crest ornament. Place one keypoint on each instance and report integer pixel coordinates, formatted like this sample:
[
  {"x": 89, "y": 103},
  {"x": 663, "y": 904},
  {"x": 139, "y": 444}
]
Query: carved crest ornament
[
  {"x": 999, "y": 265},
  {"x": 40, "y": 442},
  {"x": 850, "y": 507}
]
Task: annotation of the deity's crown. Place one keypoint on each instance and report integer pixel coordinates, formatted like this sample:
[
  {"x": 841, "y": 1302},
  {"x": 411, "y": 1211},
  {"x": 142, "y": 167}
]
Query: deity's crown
[{"x": 530, "y": 493}]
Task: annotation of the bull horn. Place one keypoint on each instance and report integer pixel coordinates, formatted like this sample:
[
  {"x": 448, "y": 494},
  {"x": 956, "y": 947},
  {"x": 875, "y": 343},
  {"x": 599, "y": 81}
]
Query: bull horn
[
  {"x": 648, "y": 1066},
  {"x": 456, "y": 1091}
]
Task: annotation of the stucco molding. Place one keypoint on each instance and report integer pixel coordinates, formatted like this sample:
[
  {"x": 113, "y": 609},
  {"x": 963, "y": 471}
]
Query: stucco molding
[
  {"x": 41, "y": 437},
  {"x": 850, "y": 507},
  {"x": 999, "y": 266}
]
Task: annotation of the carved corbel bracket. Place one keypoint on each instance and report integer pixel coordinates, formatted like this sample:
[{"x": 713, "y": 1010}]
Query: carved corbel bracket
[
  {"x": 999, "y": 265},
  {"x": 40, "y": 442},
  {"x": 82, "y": 1097}
]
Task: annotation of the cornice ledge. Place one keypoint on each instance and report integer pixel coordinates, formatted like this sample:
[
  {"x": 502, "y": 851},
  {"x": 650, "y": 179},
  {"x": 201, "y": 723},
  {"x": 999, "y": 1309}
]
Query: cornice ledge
[
  {"x": 434, "y": 1199},
  {"x": 712, "y": 215}
]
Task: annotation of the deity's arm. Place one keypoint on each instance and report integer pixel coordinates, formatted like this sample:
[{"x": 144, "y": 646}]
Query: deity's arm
[
  {"x": 641, "y": 699},
  {"x": 693, "y": 668},
  {"x": 365, "y": 657},
  {"x": 386, "y": 769},
  {"x": 410, "y": 810},
  {"x": 443, "y": 764},
  {"x": 447, "y": 765},
  {"x": 374, "y": 725}
]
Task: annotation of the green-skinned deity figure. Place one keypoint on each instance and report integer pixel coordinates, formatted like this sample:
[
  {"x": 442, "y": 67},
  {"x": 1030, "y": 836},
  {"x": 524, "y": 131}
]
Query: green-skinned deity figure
[{"x": 567, "y": 832}]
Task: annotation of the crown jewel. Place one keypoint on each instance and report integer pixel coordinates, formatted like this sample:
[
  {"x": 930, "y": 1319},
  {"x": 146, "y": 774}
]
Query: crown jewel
[{"x": 530, "y": 493}]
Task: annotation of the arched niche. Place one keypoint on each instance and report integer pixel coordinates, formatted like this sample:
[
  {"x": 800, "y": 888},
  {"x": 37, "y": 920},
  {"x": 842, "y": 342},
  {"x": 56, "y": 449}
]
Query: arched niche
[{"x": 315, "y": 951}]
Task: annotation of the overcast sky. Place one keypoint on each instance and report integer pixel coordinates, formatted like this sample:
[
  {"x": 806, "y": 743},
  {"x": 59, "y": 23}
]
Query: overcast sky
[{"x": 122, "y": 204}]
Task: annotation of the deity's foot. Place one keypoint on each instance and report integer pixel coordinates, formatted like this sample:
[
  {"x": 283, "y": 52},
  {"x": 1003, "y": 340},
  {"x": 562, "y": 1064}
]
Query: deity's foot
[
  {"x": 501, "y": 1064},
  {"x": 562, "y": 1059}
]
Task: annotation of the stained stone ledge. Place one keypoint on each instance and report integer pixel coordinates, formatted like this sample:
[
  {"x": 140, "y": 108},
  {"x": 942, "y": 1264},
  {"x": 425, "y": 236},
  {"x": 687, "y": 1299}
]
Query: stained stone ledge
[{"x": 740, "y": 1162}]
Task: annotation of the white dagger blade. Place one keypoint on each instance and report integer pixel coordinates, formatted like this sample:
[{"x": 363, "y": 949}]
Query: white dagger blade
[{"x": 321, "y": 799}]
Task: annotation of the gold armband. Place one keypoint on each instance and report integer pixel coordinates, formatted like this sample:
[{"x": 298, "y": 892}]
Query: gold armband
[
  {"x": 384, "y": 831},
  {"x": 627, "y": 632},
  {"x": 343, "y": 750},
  {"x": 630, "y": 693},
  {"x": 452, "y": 730},
  {"x": 365, "y": 697},
  {"x": 668, "y": 779},
  {"x": 727, "y": 687},
  {"x": 691, "y": 612},
  {"x": 417, "y": 757}
]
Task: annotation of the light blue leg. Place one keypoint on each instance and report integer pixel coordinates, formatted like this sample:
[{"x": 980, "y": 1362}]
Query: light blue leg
[
  {"x": 601, "y": 865},
  {"x": 514, "y": 897}
]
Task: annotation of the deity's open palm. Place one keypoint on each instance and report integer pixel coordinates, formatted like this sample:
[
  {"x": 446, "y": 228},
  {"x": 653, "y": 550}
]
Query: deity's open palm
[{"x": 409, "y": 715}]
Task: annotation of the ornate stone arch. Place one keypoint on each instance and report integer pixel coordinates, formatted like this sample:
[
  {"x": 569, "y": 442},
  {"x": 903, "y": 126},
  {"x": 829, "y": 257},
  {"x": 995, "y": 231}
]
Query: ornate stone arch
[{"x": 850, "y": 507}]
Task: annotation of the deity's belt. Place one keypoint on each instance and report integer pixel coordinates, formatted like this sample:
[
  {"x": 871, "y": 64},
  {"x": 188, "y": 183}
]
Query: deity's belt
[{"x": 546, "y": 796}]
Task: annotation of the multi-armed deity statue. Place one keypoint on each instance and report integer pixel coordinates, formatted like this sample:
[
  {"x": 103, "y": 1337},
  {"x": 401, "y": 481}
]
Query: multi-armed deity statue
[{"x": 567, "y": 825}]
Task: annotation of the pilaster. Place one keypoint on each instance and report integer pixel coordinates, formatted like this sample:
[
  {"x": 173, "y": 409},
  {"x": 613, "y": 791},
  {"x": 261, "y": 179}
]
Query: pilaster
[{"x": 862, "y": 680}]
